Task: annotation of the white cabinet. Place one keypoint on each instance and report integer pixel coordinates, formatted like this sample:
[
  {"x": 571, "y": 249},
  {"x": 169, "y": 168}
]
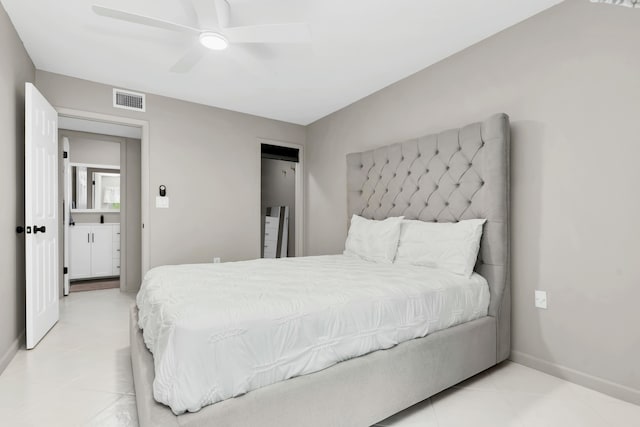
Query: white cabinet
[
  {"x": 115, "y": 263},
  {"x": 276, "y": 232},
  {"x": 94, "y": 250},
  {"x": 271, "y": 224},
  {"x": 101, "y": 251},
  {"x": 80, "y": 251}
]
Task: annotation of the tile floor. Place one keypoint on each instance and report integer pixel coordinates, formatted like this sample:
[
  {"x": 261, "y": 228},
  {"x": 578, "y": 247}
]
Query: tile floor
[{"x": 80, "y": 375}]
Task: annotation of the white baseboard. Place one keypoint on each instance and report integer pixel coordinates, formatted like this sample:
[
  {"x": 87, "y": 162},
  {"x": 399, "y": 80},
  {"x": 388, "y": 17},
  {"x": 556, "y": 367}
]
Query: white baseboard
[
  {"x": 7, "y": 357},
  {"x": 596, "y": 383}
]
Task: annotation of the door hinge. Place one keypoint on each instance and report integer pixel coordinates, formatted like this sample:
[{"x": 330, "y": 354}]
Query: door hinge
[
  {"x": 65, "y": 270},
  {"x": 65, "y": 154}
]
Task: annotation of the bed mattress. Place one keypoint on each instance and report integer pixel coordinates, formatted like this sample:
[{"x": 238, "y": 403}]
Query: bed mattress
[{"x": 221, "y": 330}]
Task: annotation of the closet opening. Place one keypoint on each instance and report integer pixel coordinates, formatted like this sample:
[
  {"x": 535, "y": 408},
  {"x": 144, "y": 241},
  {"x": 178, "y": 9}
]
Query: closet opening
[{"x": 281, "y": 200}]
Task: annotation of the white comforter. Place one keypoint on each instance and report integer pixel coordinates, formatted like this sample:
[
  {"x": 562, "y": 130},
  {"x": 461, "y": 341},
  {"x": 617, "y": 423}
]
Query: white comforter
[{"x": 221, "y": 330}]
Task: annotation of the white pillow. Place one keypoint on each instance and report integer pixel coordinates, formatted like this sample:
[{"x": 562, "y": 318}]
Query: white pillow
[
  {"x": 448, "y": 246},
  {"x": 373, "y": 240}
]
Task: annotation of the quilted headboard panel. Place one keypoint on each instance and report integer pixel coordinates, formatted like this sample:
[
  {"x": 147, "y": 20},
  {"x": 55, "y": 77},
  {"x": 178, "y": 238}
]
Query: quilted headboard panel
[{"x": 454, "y": 175}]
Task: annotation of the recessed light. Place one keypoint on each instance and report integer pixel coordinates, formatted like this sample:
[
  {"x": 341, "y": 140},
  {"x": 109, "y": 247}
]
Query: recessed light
[{"x": 213, "y": 41}]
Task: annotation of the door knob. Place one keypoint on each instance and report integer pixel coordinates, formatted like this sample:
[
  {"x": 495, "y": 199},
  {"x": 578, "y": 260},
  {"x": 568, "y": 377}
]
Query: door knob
[
  {"x": 41, "y": 229},
  {"x": 19, "y": 229}
]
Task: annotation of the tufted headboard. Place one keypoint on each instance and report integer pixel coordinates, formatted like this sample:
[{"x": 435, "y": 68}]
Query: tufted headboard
[{"x": 454, "y": 175}]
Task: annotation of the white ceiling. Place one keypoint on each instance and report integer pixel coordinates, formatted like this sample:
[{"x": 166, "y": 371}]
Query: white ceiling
[{"x": 359, "y": 47}]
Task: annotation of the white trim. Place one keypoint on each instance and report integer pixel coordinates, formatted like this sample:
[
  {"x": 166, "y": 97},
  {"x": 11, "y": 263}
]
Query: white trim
[
  {"x": 587, "y": 380},
  {"x": 299, "y": 192},
  {"x": 123, "y": 218},
  {"x": 66, "y": 214},
  {"x": 144, "y": 167},
  {"x": 95, "y": 165},
  {"x": 95, "y": 211}
]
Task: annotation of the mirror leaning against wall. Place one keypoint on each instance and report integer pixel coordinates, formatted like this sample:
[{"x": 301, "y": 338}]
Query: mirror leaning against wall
[{"x": 95, "y": 188}]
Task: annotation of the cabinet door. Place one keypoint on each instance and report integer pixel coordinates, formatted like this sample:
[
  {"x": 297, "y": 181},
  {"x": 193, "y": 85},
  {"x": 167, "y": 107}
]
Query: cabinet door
[
  {"x": 101, "y": 251},
  {"x": 80, "y": 251}
]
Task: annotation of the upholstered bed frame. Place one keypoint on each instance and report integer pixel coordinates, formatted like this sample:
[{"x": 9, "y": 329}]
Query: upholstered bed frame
[{"x": 454, "y": 175}]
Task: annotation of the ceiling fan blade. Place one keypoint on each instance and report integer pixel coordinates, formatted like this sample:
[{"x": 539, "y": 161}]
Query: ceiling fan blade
[
  {"x": 206, "y": 11},
  {"x": 188, "y": 60},
  {"x": 190, "y": 12},
  {"x": 271, "y": 33},
  {"x": 141, "y": 19},
  {"x": 223, "y": 12}
]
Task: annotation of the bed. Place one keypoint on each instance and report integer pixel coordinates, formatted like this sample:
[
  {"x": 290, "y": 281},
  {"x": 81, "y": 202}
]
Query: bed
[{"x": 455, "y": 175}]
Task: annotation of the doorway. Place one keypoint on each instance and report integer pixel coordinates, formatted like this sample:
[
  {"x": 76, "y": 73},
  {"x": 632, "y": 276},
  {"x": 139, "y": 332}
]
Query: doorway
[
  {"x": 99, "y": 172},
  {"x": 281, "y": 199},
  {"x": 45, "y": 272},
  {"x": 103, "y": 211}
]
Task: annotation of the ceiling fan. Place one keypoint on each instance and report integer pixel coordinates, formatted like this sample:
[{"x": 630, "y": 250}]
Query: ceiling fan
[{"x": 213, "y": 30}]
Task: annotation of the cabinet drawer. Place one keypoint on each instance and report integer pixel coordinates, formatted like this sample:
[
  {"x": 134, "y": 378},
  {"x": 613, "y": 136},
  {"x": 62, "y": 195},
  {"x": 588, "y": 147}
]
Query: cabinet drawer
[
  {"x": 270, "y": 251},
  {"x": 269, "y": 229},
  {"x": 268, "y": 235},
  {"x": 272, "y": 221}
]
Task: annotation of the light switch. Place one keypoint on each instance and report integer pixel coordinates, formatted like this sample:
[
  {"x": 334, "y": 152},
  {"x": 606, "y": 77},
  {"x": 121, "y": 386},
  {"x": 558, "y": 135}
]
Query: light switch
[
  {"x": 162, "y": 202},
  {"x": 541, "y": 299}
]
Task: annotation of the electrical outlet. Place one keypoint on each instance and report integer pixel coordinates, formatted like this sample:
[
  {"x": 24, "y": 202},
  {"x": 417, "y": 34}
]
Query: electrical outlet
[
  {"x": 541, "y": 299},
  {"x": 216, "y": 260}
]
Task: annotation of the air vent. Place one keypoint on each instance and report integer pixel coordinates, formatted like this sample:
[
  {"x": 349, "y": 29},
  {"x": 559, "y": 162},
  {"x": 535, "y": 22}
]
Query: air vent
[{"x": 129, "y": 100}]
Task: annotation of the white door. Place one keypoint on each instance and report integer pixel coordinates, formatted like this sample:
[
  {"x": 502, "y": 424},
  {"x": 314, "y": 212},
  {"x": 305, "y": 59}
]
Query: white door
[
  {"x": 101, "y": 251},
  {"x": 80, "y": 251},
  {"x": 66, "y": 214},
  {"x": 41, "y": 215}
]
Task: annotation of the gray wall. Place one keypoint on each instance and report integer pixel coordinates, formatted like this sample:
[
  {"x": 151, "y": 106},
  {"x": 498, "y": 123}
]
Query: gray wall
[
  {"x": 132, "y": 244},
  {"x": 569, "y": 80},
  {"x": 279, "y": 189},
  {"x": 209, "y": 160},
  {"x": 567, "y": 77},
  {"x": 16, "y": 68},
  {"x": 92, "y": 148}
]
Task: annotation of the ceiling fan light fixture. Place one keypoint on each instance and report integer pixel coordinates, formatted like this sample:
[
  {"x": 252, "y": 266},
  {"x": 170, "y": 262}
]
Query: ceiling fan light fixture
[{"x": 213, "y": 41}]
